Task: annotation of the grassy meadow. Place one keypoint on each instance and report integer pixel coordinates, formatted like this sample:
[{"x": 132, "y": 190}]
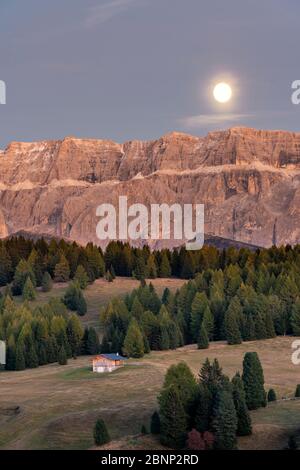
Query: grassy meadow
[{"x": 55, "y": 407}]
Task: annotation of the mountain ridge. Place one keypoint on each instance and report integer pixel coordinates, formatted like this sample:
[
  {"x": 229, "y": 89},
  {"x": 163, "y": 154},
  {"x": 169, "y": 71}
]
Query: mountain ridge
[{"x": 248, "y": 180}]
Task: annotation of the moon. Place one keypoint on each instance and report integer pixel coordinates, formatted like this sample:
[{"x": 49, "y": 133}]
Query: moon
[{"x": 222, "y": 92}]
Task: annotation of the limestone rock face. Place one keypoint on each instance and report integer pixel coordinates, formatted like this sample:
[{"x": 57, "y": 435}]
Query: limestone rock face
[{"x": 248, "y": 180}]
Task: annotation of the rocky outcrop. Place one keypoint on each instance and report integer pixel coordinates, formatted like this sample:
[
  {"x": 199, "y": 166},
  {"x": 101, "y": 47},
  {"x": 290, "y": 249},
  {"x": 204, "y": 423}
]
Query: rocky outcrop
[{"x": 249, "y": 181}]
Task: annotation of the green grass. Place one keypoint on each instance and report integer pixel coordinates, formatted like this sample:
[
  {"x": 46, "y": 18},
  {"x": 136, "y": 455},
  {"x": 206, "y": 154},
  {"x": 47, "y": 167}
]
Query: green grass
[
  {"x": 60, "y": 404},
  {"x": 99, "y": 293}
]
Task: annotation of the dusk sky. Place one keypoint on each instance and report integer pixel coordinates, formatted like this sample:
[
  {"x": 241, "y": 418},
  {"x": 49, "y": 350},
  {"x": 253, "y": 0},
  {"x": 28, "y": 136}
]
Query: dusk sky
[{"x": 137, "y": 69}]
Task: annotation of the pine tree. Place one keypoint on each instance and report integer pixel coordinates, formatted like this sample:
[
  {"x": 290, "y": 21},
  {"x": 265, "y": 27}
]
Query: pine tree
[
  {"x": 204, "y": 409},
  {"x": 47, "y": 282},
  {"x": 183, "y": 378},
  {"x": 151, "y": 267},
  {"x": 244, "y": 427},
  {"x": 31, "y": 358},
  {"x": 96, "y": 261},
  {"x": 62, "y": 270},
  {"x": 253, "y": 379},
  {"x": 74, "y": 299},
  {"x": 62, "y": 356},
  {"x": 81, "y": 304},
  {"x": 105, "y": 346},
  {"x": 295, "y": 320},
  {"x": 22, "y": 272},
  {"x": 203, "y": 342},
  {"x": 188, "y": 266},
  {"x": 93, "y": 346},
  {"x": 233, "y": 334},
  {"x": 133, "y": 342},
  {"x": 101, "y": 435},
  {"x": 165, "y": 268},
  {"x": 28, "y": 290},
  {"x": 5, "y": 266},
  {"x": 225, "y": 422},
  {"x": 270, "y": 329},
  {"x": 81, "y": 277},
  {"x": 20, "y": 355},
  {"x": 74, "y": 334},
  {"x": 52, "y": 349},
  {"x": 155, "y": 423},
  {"x": 198, "y": 307},
  {"x": 208, "y": 323},
  {"x": 272, "y": 395},
  {"x": 137, "y": 308},
  {"x": 172, "y": 417}
]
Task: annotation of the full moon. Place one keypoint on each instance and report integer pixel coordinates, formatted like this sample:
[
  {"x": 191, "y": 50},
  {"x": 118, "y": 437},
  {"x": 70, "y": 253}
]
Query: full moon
[{"x": 222, "y": 92}]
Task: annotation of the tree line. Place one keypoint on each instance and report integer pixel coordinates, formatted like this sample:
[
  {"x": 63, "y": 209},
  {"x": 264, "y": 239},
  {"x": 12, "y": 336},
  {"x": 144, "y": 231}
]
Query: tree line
[
  {"x": 45, "y": 334},
  {"x": 61, "y": 259},
  {"x": 211, "y": 411},
  {"x": 257, "y": 297}
]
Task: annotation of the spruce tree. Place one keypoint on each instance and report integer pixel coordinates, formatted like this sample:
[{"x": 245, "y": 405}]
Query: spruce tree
[
  {"x": 22, "y": 272},
  {"x": 62, "y": 356},
  {"x": 151, "y": 267},
  {"x": 28, "y": 290},
  {"x": 244, "y": 427},
  {"x": 62, "y": 270},
  {"x": 74, "y": 299},
  {"x": 173, "y": 418},
  {"x": 81, "y": 277},
  {"x": 133, "y": 342},
  {"x": 233, "y": 334},
  {"x": 93, "y": 345},
  {"x": 74, "y": 335},
  {"x": 137, "y": 308},
  {"x": 253, "y": 379},
  {"x": 5, "y": 266},
  {"x": 20, "y": 355},
  {"x": 204, "y": 408},
  {"x": 198, "y": 307},
  {"x": 225, "y": 422},
  {"x": 183, "y": 378},
  {"x": 208, "y": 323},
  {"x": 155, "y": 423},
  {"x": 188, "y": 266},
  {"x": 272, "y": 395},
  {"x": 105, "y": 346},
  {"x": 81, "y": 304},
  {"x": 165, "y": 268},
  {"x": 47, "y": 282},
  {"x": 101, "y": 435},
  {"x": 203, "y": 342}
]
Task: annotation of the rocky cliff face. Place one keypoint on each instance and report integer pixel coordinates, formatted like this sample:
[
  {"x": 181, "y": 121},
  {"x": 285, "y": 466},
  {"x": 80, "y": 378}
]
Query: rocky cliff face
[{"x": 249, "y": 181}]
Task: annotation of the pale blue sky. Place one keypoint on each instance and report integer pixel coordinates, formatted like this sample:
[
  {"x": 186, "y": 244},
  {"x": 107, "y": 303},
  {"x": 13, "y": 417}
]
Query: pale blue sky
[{"x": 125, "y": 69}]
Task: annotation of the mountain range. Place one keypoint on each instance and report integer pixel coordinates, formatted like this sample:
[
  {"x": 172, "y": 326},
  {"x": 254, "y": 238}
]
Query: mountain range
[{"x": 247, "y": 179}]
